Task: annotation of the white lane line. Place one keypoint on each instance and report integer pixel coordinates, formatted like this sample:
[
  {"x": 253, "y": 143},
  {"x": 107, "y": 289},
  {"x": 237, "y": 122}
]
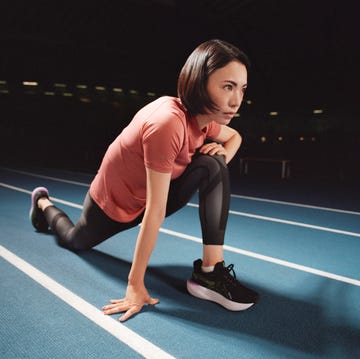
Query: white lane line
[
  {"x": 54, "y": 199},
  {"x": 295, "y": 204},
  {"x": 232, "y": 249},
  {"x": 292, "y": 223},
  {"x": 269, "y": 259},
  {"x": 46, "y": 177},
  {"x": 232, "y": 195},
  {"x": 112, "y": 326}
]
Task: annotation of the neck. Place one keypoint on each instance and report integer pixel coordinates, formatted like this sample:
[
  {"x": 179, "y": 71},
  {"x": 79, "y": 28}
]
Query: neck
[{"x": 202, "y": 120}]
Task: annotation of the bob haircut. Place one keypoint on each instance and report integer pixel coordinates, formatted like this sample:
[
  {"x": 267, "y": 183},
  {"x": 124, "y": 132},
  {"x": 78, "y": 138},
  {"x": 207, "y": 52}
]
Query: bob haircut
[{"x": 202, "y": 62}]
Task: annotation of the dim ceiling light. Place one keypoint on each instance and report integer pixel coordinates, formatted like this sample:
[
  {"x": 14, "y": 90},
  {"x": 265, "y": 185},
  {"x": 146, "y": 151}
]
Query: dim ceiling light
[
  {"x": 274, "y": 113},
  {"x": 85, "y": 99},
  {"x": 318, "y": 111},
  {"x": 100, "y": 88},
  {"x": 30, "y": 83}
]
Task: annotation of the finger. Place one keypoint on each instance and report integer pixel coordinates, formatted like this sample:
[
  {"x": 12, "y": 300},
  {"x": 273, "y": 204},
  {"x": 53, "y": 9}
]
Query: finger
[
  {"x": 112, "y": 309},
  {"x": 153, "y": 301},
  {"x": 215, "y": 151},
  {"x": 133, "y": 310},
  {"x": 206, "y": 147},
  {"x": 113, "y": 302},
  {"x": 117, "y": 300},
  {"x": 112, "y": 305},
  {"x": 206, "y": 150},
  {"x": 109, "y": 307}
]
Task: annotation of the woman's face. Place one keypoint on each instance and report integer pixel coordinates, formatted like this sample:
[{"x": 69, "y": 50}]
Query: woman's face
[{"x": 226, "y": 87}]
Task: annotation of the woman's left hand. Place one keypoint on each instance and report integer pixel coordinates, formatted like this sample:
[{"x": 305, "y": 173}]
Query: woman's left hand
[{"x": 213, "y": 148}]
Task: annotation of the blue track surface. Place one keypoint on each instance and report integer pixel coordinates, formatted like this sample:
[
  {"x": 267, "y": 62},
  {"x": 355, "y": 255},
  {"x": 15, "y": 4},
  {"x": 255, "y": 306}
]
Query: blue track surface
[{"x": 302, "y": 260}]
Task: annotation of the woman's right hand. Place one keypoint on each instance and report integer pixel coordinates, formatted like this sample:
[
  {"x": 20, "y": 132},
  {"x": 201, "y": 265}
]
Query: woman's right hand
[
  {"x": 157, "y": 187},
  {"x": 136, "y": 297}
]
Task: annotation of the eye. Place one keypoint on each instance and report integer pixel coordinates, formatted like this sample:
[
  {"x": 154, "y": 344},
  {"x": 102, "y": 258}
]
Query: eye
[{"x": 228, "y": 87}]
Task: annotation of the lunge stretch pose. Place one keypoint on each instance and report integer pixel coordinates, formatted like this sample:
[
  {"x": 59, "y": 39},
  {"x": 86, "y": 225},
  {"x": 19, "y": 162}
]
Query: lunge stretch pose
[{"x": 172, "y": 148}]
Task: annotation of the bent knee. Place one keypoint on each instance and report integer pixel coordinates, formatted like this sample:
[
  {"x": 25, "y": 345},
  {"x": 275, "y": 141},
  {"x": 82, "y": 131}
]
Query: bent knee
[{"x": 214, "y": 163}]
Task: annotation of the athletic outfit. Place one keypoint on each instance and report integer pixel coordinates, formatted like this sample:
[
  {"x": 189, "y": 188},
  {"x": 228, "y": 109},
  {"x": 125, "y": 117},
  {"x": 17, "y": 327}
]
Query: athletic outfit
[{"x": 163, "y": 137}]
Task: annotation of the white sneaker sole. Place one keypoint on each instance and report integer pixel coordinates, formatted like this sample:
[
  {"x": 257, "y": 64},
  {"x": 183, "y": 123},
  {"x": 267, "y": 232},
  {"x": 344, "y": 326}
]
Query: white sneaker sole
[{"x": 203, "y": 293}]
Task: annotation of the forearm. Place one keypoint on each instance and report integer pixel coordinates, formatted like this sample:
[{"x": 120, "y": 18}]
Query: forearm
[
  {"x": 145, "y": 244},
  {"x": 232, "y": 145}
]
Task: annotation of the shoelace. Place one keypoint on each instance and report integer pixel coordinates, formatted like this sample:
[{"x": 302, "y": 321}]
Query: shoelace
[{"x": 230, "y": 275}]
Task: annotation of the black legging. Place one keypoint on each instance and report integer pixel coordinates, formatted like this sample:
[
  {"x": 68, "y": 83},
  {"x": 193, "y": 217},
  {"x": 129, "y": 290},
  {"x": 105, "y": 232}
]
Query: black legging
[{"x": 208, "y": 174}]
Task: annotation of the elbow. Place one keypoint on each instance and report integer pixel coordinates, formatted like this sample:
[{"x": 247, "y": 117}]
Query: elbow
[
  {"x": 237, "y": 139},
  {"x": 161, "y": 217},
  {"x": 158, "y": 221},
  {"x": 240, "y": 140}
]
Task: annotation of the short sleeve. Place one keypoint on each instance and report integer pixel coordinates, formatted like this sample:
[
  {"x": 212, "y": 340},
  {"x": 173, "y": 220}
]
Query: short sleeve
[{"x": 162, "y": 139}]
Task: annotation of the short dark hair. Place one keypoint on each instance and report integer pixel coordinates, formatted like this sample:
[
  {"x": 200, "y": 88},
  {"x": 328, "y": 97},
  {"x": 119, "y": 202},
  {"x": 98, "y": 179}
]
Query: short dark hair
[{"x": 202, "y": 62}]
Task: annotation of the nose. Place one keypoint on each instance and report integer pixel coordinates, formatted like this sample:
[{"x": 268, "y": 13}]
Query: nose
[{"x": 236, "y": 99}]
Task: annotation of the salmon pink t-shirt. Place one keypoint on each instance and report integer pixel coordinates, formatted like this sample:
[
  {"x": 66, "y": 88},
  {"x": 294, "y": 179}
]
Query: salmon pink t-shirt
[{"x": 163, "y": 137}]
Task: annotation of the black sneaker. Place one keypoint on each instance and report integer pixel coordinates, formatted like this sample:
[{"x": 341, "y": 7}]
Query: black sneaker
[
  {"x": 36, "y": 215},
  {"x": 221, "y": 286}
]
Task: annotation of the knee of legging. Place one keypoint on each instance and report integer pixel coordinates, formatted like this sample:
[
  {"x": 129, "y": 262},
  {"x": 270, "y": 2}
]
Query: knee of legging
[
  {"x": 213, "y": 163},
  {"x": 79, "y": 239},
  {"x": 77, "y": 246},
  {"x": 220, "y": 159}
]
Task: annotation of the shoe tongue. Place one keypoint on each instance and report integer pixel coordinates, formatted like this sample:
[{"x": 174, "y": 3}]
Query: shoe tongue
[{"x": 220, "y": 265}]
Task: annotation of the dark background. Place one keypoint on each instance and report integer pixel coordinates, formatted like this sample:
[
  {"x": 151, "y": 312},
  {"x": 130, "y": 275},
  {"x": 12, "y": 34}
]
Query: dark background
[{"x": 304, "y": 54}]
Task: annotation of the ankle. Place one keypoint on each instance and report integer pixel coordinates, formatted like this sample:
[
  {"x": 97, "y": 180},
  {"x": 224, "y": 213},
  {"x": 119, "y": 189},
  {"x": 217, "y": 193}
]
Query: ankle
[
  {"x": 207, "y": 269},
  {"x": 212, "y": 254},
  {"x": 43, "y": 203}
]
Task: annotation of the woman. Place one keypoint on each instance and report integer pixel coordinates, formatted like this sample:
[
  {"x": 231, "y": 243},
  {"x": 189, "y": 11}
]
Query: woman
[{"x": 155, "y": 166}]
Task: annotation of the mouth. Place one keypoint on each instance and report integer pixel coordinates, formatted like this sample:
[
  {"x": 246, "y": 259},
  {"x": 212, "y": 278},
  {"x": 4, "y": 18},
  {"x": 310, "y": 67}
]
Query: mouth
[{"x": 229, "y": 114}]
